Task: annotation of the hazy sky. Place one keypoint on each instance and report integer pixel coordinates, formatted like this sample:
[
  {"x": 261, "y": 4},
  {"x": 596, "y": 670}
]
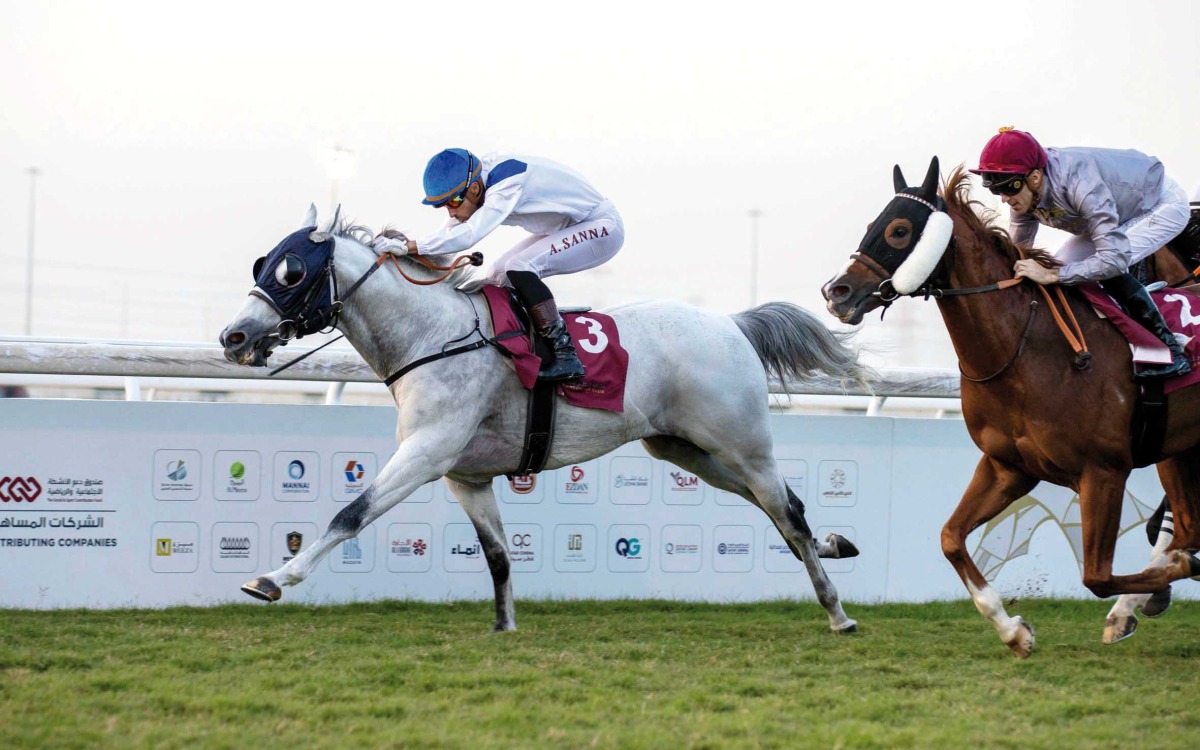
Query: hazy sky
[{"x": 178, "y": 145}]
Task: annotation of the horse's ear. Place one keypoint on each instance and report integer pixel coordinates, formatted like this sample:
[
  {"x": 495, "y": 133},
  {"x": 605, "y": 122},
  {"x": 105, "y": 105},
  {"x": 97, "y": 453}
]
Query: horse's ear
[
  {"x": 258, "y": 264},
  {"x": 310, "y": 218},
  {"x": 337, "y": 212},
  {"x": 898, "y": 179},
  {"x": 929, "y": 186}
]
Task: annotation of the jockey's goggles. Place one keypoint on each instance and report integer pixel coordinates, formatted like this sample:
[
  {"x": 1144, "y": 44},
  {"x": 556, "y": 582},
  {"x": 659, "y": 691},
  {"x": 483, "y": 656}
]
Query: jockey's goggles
[{"x": 1000, "y": 183}]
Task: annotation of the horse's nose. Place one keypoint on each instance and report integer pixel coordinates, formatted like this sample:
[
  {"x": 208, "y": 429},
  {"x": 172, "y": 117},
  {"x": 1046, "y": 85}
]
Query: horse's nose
[
  {"x": 227, "y": 339},
  {"x": 836, "y": 293}
]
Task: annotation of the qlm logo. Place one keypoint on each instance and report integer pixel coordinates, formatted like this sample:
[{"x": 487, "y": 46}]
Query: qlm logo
[
  {"x": 684, "y": 482},
  {"x": 19, "y": 489}
]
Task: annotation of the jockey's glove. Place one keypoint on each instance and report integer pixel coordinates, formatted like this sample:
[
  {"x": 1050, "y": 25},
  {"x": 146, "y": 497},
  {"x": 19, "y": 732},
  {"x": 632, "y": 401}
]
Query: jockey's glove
[{"x": 398, "y": 246}]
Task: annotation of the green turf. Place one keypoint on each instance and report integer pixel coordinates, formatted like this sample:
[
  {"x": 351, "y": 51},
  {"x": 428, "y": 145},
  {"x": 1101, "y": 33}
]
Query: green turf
[{"x": 591, "y": 674}]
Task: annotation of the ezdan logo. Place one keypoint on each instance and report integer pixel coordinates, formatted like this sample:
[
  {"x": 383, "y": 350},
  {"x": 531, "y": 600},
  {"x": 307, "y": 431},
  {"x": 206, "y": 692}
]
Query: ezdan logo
[
  {"x": 18, "y": 489},
  {"x": 576, "y": 238},
  {"x": 629, "y": 548},
  {"x": 354, "y": 471},
  {"x": 176, "y": 471},
  {"x": 576, "y": 486},
  {"x": 294, "y": 540},
  {"x": 685, "y": 482},
  {"x": 523, "y": 485}
]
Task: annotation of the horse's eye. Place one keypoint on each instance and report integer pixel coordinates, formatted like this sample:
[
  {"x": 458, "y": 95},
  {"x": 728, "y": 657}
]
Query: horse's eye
[
  {"x": 898, "y": 233},
  {"x": 290, "y": 271}
]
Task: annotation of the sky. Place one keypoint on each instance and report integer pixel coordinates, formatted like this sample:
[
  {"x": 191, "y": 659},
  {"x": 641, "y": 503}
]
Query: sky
[{"x": 176, "y": 144}]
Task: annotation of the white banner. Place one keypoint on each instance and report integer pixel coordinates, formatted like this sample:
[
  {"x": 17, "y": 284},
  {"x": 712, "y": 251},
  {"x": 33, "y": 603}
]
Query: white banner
[{"x": 135, "y": 504}]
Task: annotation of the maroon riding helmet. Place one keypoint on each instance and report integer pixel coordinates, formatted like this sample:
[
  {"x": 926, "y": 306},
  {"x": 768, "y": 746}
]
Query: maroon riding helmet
[{"x": 1011, "y": 152}]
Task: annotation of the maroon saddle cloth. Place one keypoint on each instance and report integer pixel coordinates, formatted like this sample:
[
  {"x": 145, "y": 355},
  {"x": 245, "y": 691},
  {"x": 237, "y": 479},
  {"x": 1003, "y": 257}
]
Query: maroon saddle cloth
[
  {"x": 1180, "y": 309},
  {"x": 596, "y": 339}
]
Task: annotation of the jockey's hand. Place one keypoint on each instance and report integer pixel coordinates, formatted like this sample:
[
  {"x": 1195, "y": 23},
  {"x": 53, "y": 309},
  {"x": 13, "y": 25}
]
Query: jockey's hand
[
  {"x": 1035, "y": 271},
  {"x": 398, "y": 246}
]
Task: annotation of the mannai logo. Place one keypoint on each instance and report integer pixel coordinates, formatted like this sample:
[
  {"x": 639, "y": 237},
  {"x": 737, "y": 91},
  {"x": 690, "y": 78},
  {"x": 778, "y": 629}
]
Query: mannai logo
[
  {"x": 576, "y": 485},
  {"x": 523, "y": 485},
  {"x": 684, "y": 482},
  {"x": 295, "y": 472}
]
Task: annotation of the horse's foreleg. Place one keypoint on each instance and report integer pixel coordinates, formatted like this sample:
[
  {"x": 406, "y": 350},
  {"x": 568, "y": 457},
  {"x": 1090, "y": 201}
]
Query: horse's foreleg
[
  {"x": 995, "y": 486},
  {"x": 1122, "y": 618},
  {"x": 410, "y": 467},
  {"x": 1100, "y": 497},
  {"x": 479, "y": 502}
]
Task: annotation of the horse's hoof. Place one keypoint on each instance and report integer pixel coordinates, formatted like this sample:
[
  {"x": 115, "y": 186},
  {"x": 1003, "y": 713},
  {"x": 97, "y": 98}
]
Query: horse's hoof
[
  {"x": 849, "y": 627},
  {"x": 1157, "y": 603},
  {"x": 842, "y": 547},
  {"x": 1119, "y": 628},
  {"x": 1022, "y": 643},
  {"x": 263, "y": 588}
]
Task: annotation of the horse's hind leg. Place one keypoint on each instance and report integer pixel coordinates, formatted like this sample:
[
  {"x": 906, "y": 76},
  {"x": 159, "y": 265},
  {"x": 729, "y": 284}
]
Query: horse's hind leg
[
  {"x": 691, "y": 457},
  {"x": 479, "y": 501},
  {"x": 757, "y": 478}
]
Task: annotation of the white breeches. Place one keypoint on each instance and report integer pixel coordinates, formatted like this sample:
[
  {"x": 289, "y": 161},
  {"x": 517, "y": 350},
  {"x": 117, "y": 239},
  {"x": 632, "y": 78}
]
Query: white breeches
[
  {"x": 575, "y": 248},
  {"x": 1147, "y": 232}
]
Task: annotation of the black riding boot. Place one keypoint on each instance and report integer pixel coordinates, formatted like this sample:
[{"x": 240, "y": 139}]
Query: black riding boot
[
  {"x": 549, "y": 325},
  {"x": 1140, "y": 306}
]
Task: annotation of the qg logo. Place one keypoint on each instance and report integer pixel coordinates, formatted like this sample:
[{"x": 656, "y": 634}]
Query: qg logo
[
  {"x": 629, "y": 548},
  {"x": 19, "y": 489}
]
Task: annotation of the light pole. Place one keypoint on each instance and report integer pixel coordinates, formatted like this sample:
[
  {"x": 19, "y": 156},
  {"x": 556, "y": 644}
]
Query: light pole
[
  {"x": 33, "y": 173},
  {"x": 339, "y": 165},
  {"x": 754, "y": 214}
]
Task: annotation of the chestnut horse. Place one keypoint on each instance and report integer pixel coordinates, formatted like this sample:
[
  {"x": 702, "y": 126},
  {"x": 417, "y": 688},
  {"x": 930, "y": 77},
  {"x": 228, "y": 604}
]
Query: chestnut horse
[{"x": 1028, "y": 406}]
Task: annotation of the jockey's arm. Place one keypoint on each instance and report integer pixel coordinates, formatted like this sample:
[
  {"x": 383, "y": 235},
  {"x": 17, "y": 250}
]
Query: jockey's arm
[
  {"x": 1092, "y": 199},
  {"x": 499, "y": 203}
]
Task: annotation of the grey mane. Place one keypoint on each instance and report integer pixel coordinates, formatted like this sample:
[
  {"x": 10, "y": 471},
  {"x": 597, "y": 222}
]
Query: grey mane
[{"x": 364, "y": 235}]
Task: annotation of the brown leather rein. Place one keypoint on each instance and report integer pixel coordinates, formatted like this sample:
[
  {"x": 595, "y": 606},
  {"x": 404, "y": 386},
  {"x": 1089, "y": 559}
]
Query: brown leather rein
[{"x": 1071, "y": 331}]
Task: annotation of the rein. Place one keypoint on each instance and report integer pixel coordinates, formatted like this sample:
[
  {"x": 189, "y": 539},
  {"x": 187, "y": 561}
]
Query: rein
[{"x": 462, "y": 261}]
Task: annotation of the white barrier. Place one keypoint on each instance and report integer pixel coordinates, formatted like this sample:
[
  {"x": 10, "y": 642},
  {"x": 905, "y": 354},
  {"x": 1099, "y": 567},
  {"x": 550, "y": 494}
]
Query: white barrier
[{"x": 106, "y": 504}]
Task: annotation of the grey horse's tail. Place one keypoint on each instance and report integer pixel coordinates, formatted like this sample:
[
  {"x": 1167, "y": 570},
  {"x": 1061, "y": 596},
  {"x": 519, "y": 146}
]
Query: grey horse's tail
[{"x": 793, "y": 344}]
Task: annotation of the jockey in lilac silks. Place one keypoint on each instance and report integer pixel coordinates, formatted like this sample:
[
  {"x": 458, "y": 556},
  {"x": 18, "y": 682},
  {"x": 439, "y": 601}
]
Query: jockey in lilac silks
[
  {"x": 573, "y": 228},
  {"x": 1120, "y": 205}
]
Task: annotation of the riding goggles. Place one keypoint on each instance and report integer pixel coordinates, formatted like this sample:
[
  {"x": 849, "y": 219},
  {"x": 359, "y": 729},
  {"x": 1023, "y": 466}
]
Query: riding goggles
[{"x": 1000, "y": 183}]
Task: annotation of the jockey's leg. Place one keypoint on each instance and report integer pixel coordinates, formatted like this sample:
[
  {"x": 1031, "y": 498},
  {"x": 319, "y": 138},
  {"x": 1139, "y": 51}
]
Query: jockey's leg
[
  {"x": 1140, "y": 306},
  {"x": 479, "y": 502},
  {"x": 549, "y": 325}
]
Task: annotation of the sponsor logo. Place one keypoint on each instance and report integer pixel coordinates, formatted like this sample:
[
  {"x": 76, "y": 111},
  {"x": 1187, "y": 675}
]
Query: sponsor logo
[
  {"x": 467, "y": 550},
  {"x": 237, "y": 470},
  {"x": 677, "y": 548},
  {"x": 351, "y": 552},
  {"x": 523, "y": 485},
  {"x": 575, "y": 542},
  {"x": 409, "y": 547},
  {"x": 576, "y": 485},
  {"x": 177, "y": 471},
  {"x": 295, "y": 472},
  {"x": 733, "y": 548},
  {"x": 166, "y": 547},
  {"x": 522, "y": 540},
  {"x": 296, "y": 469},
  {"x": 354, "y": 471},
  {"x": 837, "y": 479},
  {"x": 629, "y": 548},
  {"x": 294, "y": 541},
  {"x": 684, "y": 482},
  {"x": 19, "y": 489},
  {"x": 630, "y": 480},
  {"x": 235, "y": 547}
]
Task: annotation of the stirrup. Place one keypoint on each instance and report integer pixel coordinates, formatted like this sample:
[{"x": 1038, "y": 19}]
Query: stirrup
[{"x": 1178, "y": 368}]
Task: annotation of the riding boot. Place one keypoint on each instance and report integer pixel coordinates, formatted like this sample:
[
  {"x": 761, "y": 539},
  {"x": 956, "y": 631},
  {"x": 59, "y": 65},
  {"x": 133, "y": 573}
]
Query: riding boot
[
  {"x": 1140, "y": 306},
  {"x": 550, "y": 326}
]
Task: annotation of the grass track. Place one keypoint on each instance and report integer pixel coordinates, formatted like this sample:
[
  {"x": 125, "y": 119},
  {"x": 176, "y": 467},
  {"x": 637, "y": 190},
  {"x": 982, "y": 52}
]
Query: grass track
[{"x": 591, "y": 674}]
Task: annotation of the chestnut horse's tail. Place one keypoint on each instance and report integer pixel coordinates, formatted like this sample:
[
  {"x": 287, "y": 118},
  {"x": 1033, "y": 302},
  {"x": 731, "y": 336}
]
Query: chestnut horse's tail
[{"x": 793, "y": 343}]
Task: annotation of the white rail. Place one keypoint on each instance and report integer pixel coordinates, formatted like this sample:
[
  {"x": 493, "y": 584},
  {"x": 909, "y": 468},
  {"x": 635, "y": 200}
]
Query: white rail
[{"x": 139, "y": 359}]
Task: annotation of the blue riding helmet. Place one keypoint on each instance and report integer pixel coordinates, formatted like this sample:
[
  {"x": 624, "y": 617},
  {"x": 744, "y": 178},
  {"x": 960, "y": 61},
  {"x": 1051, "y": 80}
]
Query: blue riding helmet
[{"x": 449, "y": 173}]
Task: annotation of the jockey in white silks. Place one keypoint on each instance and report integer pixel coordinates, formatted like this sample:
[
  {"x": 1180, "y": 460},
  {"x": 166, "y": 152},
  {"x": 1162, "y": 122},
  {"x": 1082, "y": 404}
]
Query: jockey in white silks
[
  {"x": 573, "y": 228},
  {"x": 1120, "y": 205}
]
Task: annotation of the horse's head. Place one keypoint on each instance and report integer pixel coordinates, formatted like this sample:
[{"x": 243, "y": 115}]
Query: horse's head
[
  {"x": 292, "y": 295},
  {"x": 898, "y": 254}
]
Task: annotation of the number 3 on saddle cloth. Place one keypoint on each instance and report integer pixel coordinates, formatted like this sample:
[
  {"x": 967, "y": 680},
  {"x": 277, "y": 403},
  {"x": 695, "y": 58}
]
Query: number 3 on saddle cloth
[
  {"x": 596, "y": 339},
  {"x": 1150, "y": 416}
]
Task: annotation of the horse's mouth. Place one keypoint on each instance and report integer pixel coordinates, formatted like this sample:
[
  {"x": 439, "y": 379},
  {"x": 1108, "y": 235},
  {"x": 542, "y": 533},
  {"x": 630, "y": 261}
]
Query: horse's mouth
[
  {"x": 252, "y": 356},
  {"x": 852, "y": 314}
]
